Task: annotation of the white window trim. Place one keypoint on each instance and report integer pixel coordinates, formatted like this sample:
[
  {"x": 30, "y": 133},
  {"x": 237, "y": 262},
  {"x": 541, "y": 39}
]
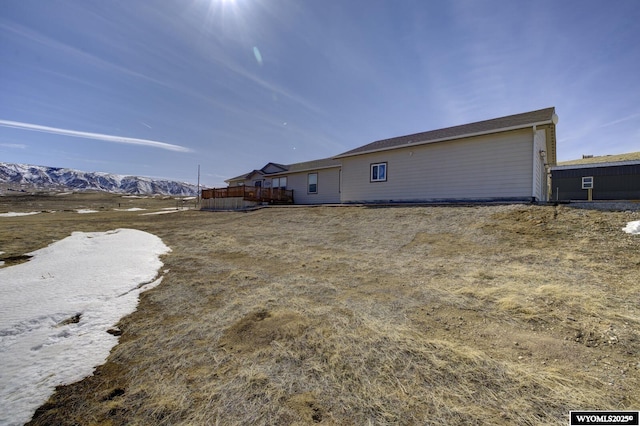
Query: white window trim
[
  {"x": 587, "y": 182},
  {"x": 309, "y": 183},
  {"x": 372, "y": 165}
]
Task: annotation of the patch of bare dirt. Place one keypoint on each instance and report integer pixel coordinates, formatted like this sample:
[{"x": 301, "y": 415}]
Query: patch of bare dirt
[{"x": 259, "y": 329}]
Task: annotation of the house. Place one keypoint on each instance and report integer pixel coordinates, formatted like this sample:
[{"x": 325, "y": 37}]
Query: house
[
  {"x": 608, "y": 177},
  {"x": 503, "y": 159},
  {"x": 310, "y": 182},
  {"x": 256, "y": 177}
]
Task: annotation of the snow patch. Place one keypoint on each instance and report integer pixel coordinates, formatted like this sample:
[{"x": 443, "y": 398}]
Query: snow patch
[
  {"x": 56, "y": 308},
  {"x": 86, "y": 211},
  {"x": 161, "y": 212},
  {"x": 132, "y": 209},
  {"x": 632, "y": 227},
  {"x": 14, "y": 214}
]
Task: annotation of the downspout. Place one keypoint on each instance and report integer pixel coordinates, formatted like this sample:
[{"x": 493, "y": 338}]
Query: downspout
[
  {"x": 534, "y": 165},
  {"x": 539, "y": 156},
  {"x": 547, "y": 176}
]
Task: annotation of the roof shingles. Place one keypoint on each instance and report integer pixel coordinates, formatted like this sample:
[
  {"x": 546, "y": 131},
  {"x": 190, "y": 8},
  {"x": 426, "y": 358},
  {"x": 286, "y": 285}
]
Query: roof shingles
[
  {"x": 291, "y": 168},
  {"x": 497, "y": 124}
]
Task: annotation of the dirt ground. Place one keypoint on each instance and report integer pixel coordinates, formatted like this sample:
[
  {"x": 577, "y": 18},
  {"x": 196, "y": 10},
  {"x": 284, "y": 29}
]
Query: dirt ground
[{"x": 510, "y": 314}]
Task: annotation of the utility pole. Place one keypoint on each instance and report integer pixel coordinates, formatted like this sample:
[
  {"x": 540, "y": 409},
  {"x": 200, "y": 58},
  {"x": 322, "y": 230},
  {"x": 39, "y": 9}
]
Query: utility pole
[{"x": 198, "y": 196}]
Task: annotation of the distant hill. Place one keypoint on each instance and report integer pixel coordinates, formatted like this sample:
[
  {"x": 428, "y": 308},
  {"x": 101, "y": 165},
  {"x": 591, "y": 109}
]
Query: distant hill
[{"x": 21, "y": 176}]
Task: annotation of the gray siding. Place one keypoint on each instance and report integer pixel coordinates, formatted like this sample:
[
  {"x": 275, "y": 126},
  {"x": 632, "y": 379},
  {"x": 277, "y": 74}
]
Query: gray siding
[
  {"x": 328, "y": 186},
  {"x": 497, "y": 166}
]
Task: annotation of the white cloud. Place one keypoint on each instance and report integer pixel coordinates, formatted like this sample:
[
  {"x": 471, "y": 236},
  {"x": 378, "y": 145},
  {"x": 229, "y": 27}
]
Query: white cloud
[
  {"x": 13, "y": 145},
  {"x": 97, "y": 136},
  {"x": 620, "y": 120}
]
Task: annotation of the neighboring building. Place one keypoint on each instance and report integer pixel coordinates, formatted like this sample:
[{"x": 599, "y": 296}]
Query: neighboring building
[
  {"x": 504, "y": 159},
  {"x": 312, "y": 182},
  {"x": 256, "y": 177},
  {"x": 610, "y": 177}
]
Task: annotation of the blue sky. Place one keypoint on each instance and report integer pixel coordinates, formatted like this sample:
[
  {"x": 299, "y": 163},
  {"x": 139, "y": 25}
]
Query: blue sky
[{"x": 158, "y": 87}]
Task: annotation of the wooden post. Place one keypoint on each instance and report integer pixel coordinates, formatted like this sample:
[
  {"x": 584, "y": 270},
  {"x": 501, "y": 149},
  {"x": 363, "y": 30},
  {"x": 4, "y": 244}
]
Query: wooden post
[{"x": 589, "y": 194}]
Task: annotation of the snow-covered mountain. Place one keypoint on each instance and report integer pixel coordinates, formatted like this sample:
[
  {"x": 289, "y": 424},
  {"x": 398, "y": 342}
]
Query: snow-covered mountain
[{"x": 42, "y": 177}]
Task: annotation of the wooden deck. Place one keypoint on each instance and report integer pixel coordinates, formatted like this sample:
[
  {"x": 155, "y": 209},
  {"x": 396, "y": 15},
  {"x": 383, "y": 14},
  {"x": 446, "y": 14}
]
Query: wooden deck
[{"x": 251, "y": 193}]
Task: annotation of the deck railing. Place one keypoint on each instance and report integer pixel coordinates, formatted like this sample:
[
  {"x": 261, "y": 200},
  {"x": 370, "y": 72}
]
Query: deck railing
[{"x": 251, "y": 193}]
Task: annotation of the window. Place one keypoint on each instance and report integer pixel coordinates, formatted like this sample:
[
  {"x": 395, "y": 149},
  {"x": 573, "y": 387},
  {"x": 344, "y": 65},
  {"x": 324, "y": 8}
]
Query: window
[
  {"x": 312, "y": 183},
  {"x": 279, "y": 182},
  {"x": 379, "y": 172},
  {"x": 587, "y": 182}
]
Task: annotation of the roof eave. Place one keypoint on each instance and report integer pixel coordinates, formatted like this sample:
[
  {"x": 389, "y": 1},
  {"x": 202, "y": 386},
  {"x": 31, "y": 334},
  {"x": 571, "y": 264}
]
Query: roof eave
[
  {"x": 235, "y": 178},
  {"x": 282, "y": 167},
  {"x": 288, "y": 172},
  {"x": 245, "y": 176}
]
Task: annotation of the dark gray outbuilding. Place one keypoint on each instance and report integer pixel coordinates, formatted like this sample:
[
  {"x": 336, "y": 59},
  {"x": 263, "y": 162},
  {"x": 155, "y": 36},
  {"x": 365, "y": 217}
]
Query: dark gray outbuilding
[{"x": 609, "y": 180}]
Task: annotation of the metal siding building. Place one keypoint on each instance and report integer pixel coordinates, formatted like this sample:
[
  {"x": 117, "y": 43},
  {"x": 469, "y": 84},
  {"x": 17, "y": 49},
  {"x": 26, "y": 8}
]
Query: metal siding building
[{"x": 611, "y": 180}]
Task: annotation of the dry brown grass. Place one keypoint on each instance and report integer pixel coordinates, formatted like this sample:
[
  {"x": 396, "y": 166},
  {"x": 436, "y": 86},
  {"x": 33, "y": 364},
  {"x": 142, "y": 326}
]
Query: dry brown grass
[{"x": 354, "y": 315}]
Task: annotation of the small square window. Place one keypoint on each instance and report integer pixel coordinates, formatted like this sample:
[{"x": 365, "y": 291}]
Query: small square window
[
  {"x": 587, "y": 182},
  {"x": 378, "y": 172}
]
